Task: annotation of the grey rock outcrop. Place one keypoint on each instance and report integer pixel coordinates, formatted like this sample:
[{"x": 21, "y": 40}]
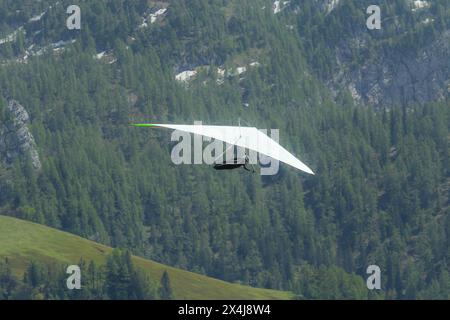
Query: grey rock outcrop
[
  {"x": 397, "y": 79},
  {"x": 327, "y": 5},
  {"x": 15, "y": 136}
]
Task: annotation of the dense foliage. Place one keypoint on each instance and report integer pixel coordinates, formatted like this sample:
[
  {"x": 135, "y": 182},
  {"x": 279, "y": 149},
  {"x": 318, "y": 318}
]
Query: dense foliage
[
  {"x": 119, "y": 279},
  {"x": 380, "y": 196}
]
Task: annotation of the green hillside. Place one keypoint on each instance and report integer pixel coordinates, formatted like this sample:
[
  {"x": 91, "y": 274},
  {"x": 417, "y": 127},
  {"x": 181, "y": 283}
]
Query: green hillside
[{"x": 23, "y": 241}]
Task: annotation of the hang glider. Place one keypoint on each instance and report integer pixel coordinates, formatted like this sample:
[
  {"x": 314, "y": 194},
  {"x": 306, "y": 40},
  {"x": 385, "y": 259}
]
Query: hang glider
[{"x": 246, "y": 137}]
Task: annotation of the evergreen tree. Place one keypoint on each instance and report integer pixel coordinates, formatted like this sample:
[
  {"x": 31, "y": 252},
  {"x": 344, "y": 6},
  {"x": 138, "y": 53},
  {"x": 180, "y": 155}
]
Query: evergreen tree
[{"x": 165, "y": 291}]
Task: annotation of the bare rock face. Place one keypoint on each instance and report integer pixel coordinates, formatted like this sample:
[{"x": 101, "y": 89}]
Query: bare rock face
[
  {"x": 398, "y": 79},
  {"x": 15, "y": 137},
  {"x": 327, "y": 5}
]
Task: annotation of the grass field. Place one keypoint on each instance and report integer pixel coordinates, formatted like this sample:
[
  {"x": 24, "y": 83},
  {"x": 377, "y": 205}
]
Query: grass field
[{"x": 22, "y": 241}]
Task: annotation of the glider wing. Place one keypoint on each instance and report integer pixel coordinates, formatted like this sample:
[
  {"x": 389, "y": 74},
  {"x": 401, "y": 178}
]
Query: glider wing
[{"x": 247, "y": 137}]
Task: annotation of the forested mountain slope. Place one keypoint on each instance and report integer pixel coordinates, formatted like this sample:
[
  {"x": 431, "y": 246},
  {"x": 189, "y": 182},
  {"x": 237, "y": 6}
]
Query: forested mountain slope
[{"x": 381, "y": 192}]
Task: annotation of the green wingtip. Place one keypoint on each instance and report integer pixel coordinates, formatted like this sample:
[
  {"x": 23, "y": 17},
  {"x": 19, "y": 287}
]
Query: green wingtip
[{"x": 143, "y": 125}]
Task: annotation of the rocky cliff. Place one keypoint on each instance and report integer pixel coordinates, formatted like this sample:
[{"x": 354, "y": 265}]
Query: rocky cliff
[
  {"x": 387, "y": 67},
  {"x": 16, "y": 139},
  {"x": 393, "y": 78}
]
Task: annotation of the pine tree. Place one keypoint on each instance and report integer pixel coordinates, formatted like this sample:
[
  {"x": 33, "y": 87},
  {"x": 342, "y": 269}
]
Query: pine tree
[{"x": 165, "y": 290}]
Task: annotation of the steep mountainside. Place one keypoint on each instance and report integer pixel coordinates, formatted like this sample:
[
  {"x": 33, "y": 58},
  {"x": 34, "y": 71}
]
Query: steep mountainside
[
  {"x": 368, "y": 111},
  {"x": 405, "y": 62}
]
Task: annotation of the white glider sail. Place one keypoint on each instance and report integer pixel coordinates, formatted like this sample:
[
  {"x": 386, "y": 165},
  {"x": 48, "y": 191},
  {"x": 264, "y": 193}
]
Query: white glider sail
[{"x": 246, "y": 137}]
